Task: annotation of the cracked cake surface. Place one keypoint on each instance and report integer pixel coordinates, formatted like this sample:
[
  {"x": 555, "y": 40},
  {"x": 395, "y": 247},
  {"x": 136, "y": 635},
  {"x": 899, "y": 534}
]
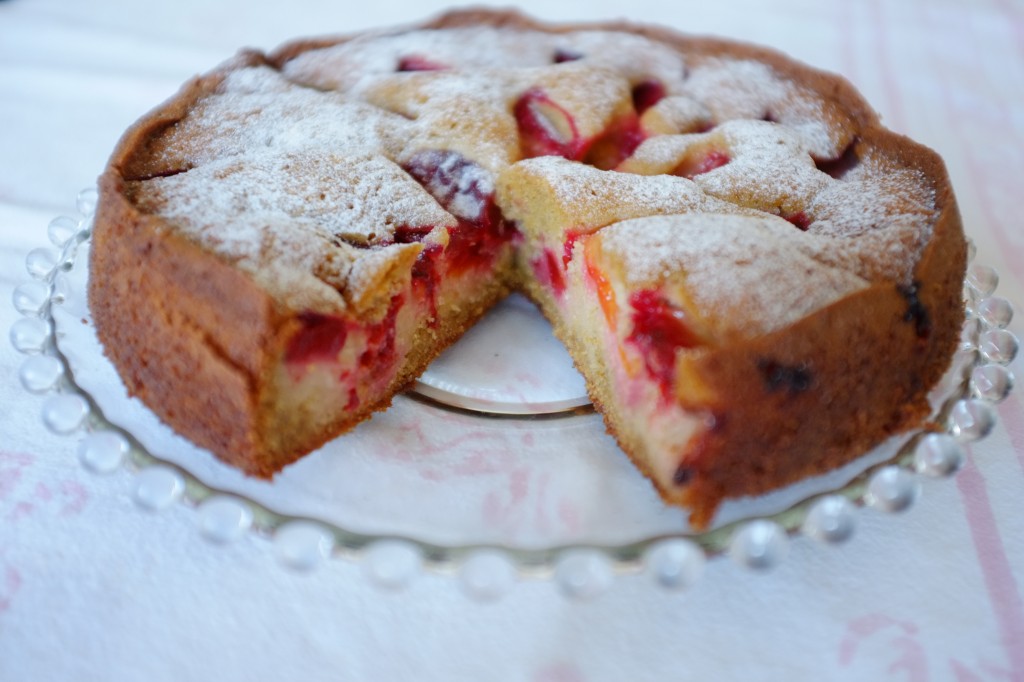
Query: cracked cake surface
[{"x": 756, "y": 279}]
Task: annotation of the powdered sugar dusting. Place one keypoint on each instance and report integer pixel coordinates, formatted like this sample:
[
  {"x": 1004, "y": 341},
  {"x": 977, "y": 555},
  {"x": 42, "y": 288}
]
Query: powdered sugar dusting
[
  {"x": 285, "y": 172},
  {"x": 256, "y": 111},
  {"x": 744, "y": 89},
  {"x": 637, "y": 58},
  {"x": 740, "y": 272},
  {"x": 371, "y": 283},
  {"x": 880, "y": 218},
  {"x": 293, "y": 210},
  {"x": 676, "y": 114},
  {"x": 342, "y": 66},
  {"x": 569, "y": 196},
  {"x": 770, "y": 169},
  {"x": 472, "y": 112}
]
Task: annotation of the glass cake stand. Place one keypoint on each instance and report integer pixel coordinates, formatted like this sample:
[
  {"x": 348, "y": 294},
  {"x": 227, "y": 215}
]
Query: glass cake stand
[{"x": 494, "y": 469}]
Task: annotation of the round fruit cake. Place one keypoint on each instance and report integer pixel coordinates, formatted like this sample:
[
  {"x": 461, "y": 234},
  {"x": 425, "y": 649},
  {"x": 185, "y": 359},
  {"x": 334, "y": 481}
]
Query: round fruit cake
[{"x": 757, "y": 280}]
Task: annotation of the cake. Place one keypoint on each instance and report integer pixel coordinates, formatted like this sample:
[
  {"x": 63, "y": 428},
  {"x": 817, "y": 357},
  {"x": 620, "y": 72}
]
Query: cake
[{"x": 757, "y": 280}]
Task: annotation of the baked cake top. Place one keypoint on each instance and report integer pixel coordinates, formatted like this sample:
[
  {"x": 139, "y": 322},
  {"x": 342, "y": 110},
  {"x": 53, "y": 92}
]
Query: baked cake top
[{"x": 318, "y": 171}]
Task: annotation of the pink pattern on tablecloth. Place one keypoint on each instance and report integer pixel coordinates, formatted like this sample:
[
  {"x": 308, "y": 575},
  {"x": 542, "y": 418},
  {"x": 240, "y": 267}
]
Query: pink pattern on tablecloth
[
  {"x": 519, "y": 499},
  {"x": 18, "y": 502},
  {"x": 21, "y": 499},
  {"x": 962, "y": 673},
  {"x": 12, "y": 465},
  {"x": 989, "y": 181},
  {"x": 528, "y": 504},
  {"x": 1004, "y": 594},
  {"x": 9, "y": 586},
  {"x": 880, "y": 48},
  {"x": 1002, "y": 589},
  {"x": 1011, "y": 413},
  {"x": 413, "y": 443},
  {"x": 1004, "y": 234},
  {"x": 902, "y": 637},
  {"x": 847, "y": 54},
  {"x": 997, "y": 572},
  {"x": 559, "y": 672},
  {"x": 1012, "y": 17}
]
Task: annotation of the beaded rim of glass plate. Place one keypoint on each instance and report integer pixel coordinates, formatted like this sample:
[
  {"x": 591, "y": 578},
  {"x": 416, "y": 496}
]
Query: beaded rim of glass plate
[{"x": 489, "y": 572}]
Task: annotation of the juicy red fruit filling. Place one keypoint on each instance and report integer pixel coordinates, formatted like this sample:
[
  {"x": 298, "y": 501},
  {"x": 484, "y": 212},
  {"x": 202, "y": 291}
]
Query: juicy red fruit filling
[
  {"x": 547, "y": 129},
  {"x": 616, "y": 144},
  {"x": 705, "y": 163},
  {"x": 424, "y": 270},
  {"x": 476, "y": 244},
  {"x": 415, "y": 62},
  {"x": 379, "y": 356},
  {"x": 549, "y": 271},
  {"x": 800, "y": 220},
  {"x": 659, "y": 330},
  {"x": 571, "y": 237},
  {"x": 425, "y": 278},
  {"x": 465, "y": 190},
  {"x": 647, "y": 94},
  {"x": 322, "y": 338},
  {"x": 563, "y": 55}
]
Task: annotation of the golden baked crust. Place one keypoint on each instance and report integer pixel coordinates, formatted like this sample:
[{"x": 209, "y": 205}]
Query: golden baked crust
[{"x": 201, "y": 339}]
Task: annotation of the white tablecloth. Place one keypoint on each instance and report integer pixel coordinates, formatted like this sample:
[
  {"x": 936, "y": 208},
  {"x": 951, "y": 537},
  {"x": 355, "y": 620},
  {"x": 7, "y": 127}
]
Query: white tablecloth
[{"x": 92, "y": 588}]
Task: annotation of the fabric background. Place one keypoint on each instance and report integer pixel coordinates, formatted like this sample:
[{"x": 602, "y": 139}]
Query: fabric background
[{"x": 91, "y": 588}]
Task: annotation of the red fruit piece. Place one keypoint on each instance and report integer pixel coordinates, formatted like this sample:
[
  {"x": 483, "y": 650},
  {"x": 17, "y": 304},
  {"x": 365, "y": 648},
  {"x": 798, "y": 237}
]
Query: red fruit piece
[
  {"x": 415, "y": 62},
  {"x": 800, "y": 220},
  {"x": 424, "y": 270},
  {"x": 474, "y": 244},
  {"x": 562, "y": 55},
  {"x": 571, "y": 237},
  {"x": 425, "y": 279},
  {"x": 379, "y": 355},
  {"x": 407, "y": 234},
  {"x": 616, "y": 144},
  {"x": 841, "y": 165},
  {"x": 320, "y": 339},
  {"x": 691, "y": 168},
  {"x": 659, "y": 330},
  {"x": 466, "y": 190},
  {"x": 459, "y": 185},
  {"x": 647, "y": 94},
  {"x": 549, "y": 271},
  {"x": 353, "y": 399},
  {"x": 545, "y": 128}
]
